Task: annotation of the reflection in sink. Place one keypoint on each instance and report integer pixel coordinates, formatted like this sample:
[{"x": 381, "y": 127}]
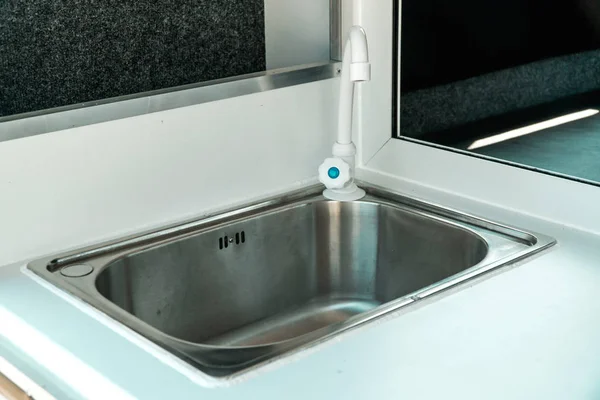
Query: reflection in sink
[
  {"x": 303, "y": 267},
  {"x": 233, "y": 290}
]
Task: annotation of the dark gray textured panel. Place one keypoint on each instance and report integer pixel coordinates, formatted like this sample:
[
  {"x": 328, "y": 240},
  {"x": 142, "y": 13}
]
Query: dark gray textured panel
[
  {"x": 458, "y": 103},
  {"x": 61, "y": 52}
]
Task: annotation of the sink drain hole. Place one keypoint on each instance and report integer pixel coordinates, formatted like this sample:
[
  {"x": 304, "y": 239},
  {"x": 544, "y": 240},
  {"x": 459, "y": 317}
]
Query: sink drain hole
[{"x": 76, "y": 270}]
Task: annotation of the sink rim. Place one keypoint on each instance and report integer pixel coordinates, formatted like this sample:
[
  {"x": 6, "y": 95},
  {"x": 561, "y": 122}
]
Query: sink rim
[
  {"x": 110, "y": 252},
  {"x": 310, "y": 193}
]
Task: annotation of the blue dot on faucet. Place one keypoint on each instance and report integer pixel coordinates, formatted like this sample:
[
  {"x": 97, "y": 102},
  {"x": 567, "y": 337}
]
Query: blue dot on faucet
[{"x": 333, "y": 173}]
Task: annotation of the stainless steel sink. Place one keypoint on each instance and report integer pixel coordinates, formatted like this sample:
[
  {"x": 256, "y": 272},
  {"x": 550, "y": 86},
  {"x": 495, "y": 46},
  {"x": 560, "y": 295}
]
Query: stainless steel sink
[{"x": 229, "y": 291}]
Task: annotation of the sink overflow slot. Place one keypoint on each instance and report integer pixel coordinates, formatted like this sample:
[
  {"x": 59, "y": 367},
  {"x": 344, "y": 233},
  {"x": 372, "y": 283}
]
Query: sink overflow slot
[{"x": 224, "y": 241}]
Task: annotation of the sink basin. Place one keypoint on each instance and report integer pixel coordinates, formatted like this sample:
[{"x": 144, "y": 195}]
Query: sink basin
[{"x": 234, "y": 290}]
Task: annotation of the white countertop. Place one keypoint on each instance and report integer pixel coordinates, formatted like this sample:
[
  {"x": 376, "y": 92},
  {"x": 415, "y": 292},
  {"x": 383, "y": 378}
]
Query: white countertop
[{"x": 526, "y": 332}]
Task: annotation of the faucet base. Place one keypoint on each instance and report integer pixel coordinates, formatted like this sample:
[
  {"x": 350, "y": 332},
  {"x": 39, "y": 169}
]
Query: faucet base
[{"x": 351, "y": 193}]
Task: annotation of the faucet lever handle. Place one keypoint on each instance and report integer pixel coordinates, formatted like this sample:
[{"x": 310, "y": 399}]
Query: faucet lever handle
[{"x": 334, "y": 173}]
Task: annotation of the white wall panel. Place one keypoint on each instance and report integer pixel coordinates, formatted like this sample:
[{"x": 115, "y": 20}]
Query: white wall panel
[{"x": 72, "y": 187}]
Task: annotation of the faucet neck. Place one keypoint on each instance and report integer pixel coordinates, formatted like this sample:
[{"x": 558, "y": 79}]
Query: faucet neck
[{"x": 355, "y": 68}]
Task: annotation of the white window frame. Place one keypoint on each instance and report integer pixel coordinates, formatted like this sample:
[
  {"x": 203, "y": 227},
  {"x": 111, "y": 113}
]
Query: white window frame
[{"x": 414, "y": 168}]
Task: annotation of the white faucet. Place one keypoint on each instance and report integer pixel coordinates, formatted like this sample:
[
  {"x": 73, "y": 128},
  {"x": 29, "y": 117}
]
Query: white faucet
[{"x": 337, "y": 173}]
